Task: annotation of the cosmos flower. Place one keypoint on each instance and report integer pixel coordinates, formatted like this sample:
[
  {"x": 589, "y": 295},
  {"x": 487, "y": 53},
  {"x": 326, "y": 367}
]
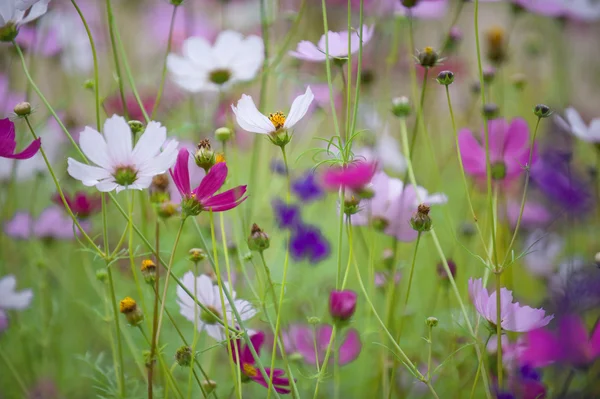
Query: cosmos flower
[
  {"x": 308, "y": 242},
  {"x": 337, "y": 43},
  {"x": 509, "y": 150},
  {"x": 534, "y": 214},
  {"x": 81, "y": 203},
  {"x": 196, "y": 174},
  {"x": 250, "y": 119},
  {"x": 14, "y": 13},
  {"x": 579, "y": 10},
  {"x": 392, "y": 206},
  {"x": 120, "y": 166},
  {"x": 242, "y": 356},
  {"x": 354, "y": 176},
  {"x": 52, "y": 223},
  {"x": 513, "y": 317},
  {"x": 425, "y": 9},
  {"x": 203, "y": 67},
  {"x": 209, "y": 295},
  {"x": 307, "y": 188},
  {"x": 571, "y": 344},
  {"x": 10, "y": 299},
  {"x": 203, "y": 197},
  {"x": 8, "y": 143},
  {"x": 578, "y": 128},
  {"x": 542, "y": 252},
  {"x": 301, "y": 340},
  {"x": 287, "y": 216}
]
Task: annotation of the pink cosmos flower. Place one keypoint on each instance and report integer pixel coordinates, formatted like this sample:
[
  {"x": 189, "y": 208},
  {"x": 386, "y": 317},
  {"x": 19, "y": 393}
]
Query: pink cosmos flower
[
  {"x": 534, "y": 214},
  {"x": 250, "y": 371},
  {"x": 337, "y": 43},
  {"x": 196, "y": 174},
  {"x": 354, "y": 176},
  {"x": 203, "y": 197},
  {"x": 511, "y": 351},
  {"x": 52, "y": 223},
  {"x": 513, "y": 317},
  {"x": 509, "y": 150},
  {"x": 8, "y": 143},
  {"x": 425, "y": 9},
  {"x": 81, "y": 203},
  {"x": 301, "y": 339},
  {"x": 571, "y": 344}
]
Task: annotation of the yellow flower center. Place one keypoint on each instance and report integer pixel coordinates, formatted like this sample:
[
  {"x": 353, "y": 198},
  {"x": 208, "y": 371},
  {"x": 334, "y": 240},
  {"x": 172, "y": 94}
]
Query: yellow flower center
[
  {"x": 220, "y": 158},
  {"x": 277, "y": 119},
  {"x": 250, "y": 370},
  {"x": 428, "y": 50},
  {"x": 127, "y": 305},
  {"x": 147, "y": 264}
]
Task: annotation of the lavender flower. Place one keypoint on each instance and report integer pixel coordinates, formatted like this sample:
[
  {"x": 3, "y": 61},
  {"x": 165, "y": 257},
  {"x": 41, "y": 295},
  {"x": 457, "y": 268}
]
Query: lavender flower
[
  {"x": 308, "y": 242},
  {"x": 286, "y": 215},
  {"x": 306, "y": 187}
]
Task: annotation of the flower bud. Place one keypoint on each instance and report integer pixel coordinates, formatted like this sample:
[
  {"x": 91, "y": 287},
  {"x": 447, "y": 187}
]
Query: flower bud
[
  {"x": 102, "y": 275},
  {"x": 136, "y": 127},
  {"x": 496, "y": 46},
  {"x": 196, "y": 255},
  {"x": 428, "y": 58},
  {"x": 401, "y": 107},
  {"x": 132, "y": 313},
  {"x": 489, "y": 73},
  {"x": 209, "y": 386},
  {"x": 421, "y": 221},
  {"x": 542, "y": 111},
  {"x": 223, "y": 134},
  {"x": 490, "y": 110},
  {"x": 467, "y": 229},
  {"x": 313, "y": 320},
  {"x": 342, "y": 304},
  {"x": 205, "y": 156},
  {"x": 166, "y": 209},
  {"x": 89, "y": 84},
  {"x": 441, "y": 270},
  {"x": 351, "y": 203},
  {"x": 159, "y": 189},
  {"x": 445, "y": 78},
  {"x": 258, "y": 239},
  {"x": 247, "y": 257},
  {"x": 432, "y": 321},
  {"x": 22, "y": 109},
  {"x": 183, "y": 356},
  {"x": 379, "y": 223},
  {"x": 148, "y": 269}
]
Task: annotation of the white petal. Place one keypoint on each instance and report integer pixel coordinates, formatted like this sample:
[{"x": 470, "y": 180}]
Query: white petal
[
  {"x": 299, "y": 108},
  {"x": 308, "y": 51},
  {"x": 226, "y": 48},
  {"x": 437, "y": 198},
  {"x": 11, "y": 299},
  {"x": 199, "y": 51},
  {"x": 578, "y": 126},
  {"x": 94, "y": 147},
  {"x": 150, "y": 142},
  {"x": 108, "y": 185},
  {"x": 35, "y": 12},
  {"x": 141, "y": 183},
  {"x": 245, "y": 308},
  {"x": 249, "y": 59},
  {"x": 594, "y": 131},
  {"x": 88, "y": 175},
  {"x": 249, "y": 118},
  {"x": 118, "y": 139},
  {"x": 216, "y": 331},
  {"x": 160, "y": 163}
]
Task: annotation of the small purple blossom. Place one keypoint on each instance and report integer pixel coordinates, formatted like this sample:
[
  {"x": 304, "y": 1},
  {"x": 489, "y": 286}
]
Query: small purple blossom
[
  {"x": 287, "y": 215},
  {"x": 308, "y": 242},
  {"x": 307, "y": 188}
]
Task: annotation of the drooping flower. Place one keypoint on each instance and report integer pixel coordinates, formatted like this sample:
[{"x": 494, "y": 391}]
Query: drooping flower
[
  {"x": 354, "y": 176},
  {"x": 209, "y": 295},
  {"x": 230, "y": 60},
  {"x": 81, "y": 203},
  {"x": 570, "y": 344},
  {"x": 14, "y": 13},
  {"x": 542, "y": 252},
  {"x": 307, "y": 188},
  {"x": 513, "y": 316},
  {"x": 8, "y": 143},
  {"x": 337, "y": 43},
  {"x": 250, "y": 119},
  {"x": 342, "y": 304},
  {"x": 301, "y": 340},
  {"x": 51, "y": 224},
  {"x": 203, "y": 197},
  {"x": 308, "y": 242},
  {"x": 10, "y": 298},
  {"x": 393, "y": 205},
  {"x": 242, "y": 356},
  {"x": 119, "y": 165},
  {"x": 509, "y": 150}
]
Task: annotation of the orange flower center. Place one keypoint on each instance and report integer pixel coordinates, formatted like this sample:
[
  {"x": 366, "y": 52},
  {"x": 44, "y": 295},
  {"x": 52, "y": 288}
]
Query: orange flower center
[
  {"x": 277, "y": 119},
  {"x": 250, "y": 370}
]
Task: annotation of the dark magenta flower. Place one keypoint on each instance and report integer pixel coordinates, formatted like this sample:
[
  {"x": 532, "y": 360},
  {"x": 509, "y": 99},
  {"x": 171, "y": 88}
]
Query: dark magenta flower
[
  {"x": 354, "y": 176},
  {"x": 8, "y": 143},
  {"x": 250, "y": 371},
  {"x": 203, "y": 197},
  {"x": 286, "y": 215},
  {"x": 306, "y": 187},
  {"x": 342, "y": 304},
  {"x": 308, "y": 242},
  {"x": 81, "y": 203}
]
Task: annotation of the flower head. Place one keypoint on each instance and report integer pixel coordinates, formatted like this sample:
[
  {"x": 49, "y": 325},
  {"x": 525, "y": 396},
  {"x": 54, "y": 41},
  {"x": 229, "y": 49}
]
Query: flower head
[
  {"x": 337, "y": 43},
  {"x": 233, "y": 58},
  {"x": 14, "y": 13},
  {"x": 424, "y": 9},
  {"x": 513, "y": 317},
  {"x": 301, "y": 339},
  {"x": 209, "y": 295},
  {"x": 52, "y": 223},
  {"x": 10, "y": 299},
  {"x": 354, "y": 176},
  {"x": 509, "y": 150},
  {"x": 575, "y": 125},
  {"x": 203, "y": 197},
  {"x": 287, "y": 215},
  {"x": 81, "y": 203},
  {"x": 119, "y": 165},
  {"x": 242, "y": 356},
  {"x": 342, "y": 304},
  {"x": 8, "y": 143},
  {"x": 250, "y": 119}
]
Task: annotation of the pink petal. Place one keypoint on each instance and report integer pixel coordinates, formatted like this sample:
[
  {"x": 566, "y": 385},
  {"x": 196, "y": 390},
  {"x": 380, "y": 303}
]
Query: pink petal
[
  {"x": 350, "y": 348},
  {"x": 7, "y": 137},
  {"x": 257, "y": 341},
  {"x": 517, "y": 138},
  {"x": 473, "y": 155},
  {"x": 226, "y": 200},
  {"x": 574, "y": 337},
  {"x": 497, "y": 130},
  {"x": 28, "y": 152},
  {"x": 180, "y": 173},
  {"x": 542, "y": 349},
  {"x": 595, "y": 342},
  {"x": 212, "y": 182}
]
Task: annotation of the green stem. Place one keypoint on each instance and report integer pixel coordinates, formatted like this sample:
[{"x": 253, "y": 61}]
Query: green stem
[
  {"x": 340, "y": 237},
  {"x": 153, "y": 343},
  {"x": 111, "y": 30},
  {"x": 14, "y": 372},
  {"x": 325, "y": 360},
  {"x": 164, "y": 68},
  {"x": 113, "y": 299},
  {"x": 412, "y": 270},
  {"x": 328, "y": 70},
  {"x": 499, "y": 328}
]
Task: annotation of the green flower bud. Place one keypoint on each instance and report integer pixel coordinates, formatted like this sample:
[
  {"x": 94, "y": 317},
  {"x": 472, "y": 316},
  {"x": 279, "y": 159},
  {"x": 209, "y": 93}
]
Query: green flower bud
[
  {"x": 258, "y": 239},
  {"x": 136, "y": 127},
  {"x": 205, "y": 156},
  {"x": 196, "y": 255},
  {"x": 445, "y": 78},
  {"x": 401, "y": 107},
  {"x": 421, "y": 221},
  {"x": 223, "y": 134},
  {"x": 542, "y": 111},
  {"x": 432, "y": 321},
  {"x": 183, "y": 356},
  {"x": 428, "y": 58},
  {"x": 22, "y": 109}
]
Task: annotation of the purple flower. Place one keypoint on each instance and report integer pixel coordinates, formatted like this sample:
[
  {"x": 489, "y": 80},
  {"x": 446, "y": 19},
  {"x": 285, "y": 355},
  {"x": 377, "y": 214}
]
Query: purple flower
[
  {"x": 247, "y": 365},
  {"x": 513, "y": 316},
  {"x": 302, "y": 340},
  {"x": 51, "y": 224},
  {"x": 306, "y": 187},
  {"x": 342, "y": 304},
  {"x": 571, "y": 344},
  {"x": 277, "y": 166},
  {"x": 308, "y": 242},
  {"x": 8, "y": 143},
  {"x": 3, "y": 320},
  {"x": 287, "y": 215}
]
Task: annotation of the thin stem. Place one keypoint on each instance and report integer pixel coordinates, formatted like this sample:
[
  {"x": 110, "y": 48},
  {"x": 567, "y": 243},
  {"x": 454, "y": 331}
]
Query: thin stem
[
  {"x": 154, "y": 312},
  {"x": 164, "y": 68},
  {"x": 14, "y": 372},
  {"x": 111, "y": 30},
  {"x": 499, "y": 329},
  {"x": 325, "y": 360},
  {"x": 430, "y": 342},
  {"x": 340, "y": 236},
  {"x": 328, "y": 70},
  {"x": 412, "y": 269},
  {"x": 113, "y": 300}
]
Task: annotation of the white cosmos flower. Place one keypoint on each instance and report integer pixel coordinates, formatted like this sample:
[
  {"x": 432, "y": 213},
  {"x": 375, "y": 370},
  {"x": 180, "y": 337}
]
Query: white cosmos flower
[
  {"x": 15, "y": 12},
  {"x": 203, "y": 67},
  {"x": 337, "y": 44},
  {"x": 10, "y": 298},
  {"x": 119, "y": 165},
  {"x": 578, "y": 128},
  {"x": 250, "y": 119},
  {"x": 208, "y": 294}
]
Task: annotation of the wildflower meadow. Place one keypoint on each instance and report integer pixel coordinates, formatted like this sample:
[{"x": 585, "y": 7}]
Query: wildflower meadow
[{"x": 301, "y": 198}]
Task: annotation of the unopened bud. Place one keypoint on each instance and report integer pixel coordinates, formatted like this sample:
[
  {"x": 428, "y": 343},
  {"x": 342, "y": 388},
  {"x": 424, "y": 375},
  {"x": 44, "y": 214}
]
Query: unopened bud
[
  {"x": 432, "y": 321},
  {"x": 258, "y": 239},
  {"x": 490, "y": 110},
  {"x": 22, "y": 109},
  {"x": 351, "y": 203},
  {"x": 401, "y": 107},
  {"x": 421, "y": 221},
  {"x": 89, "y": 84},
  {"x": 102, "y": 275},
  {"x": 136, "y": 127},
  {"x": 132, "y": 313},
  {"x": 148, "y": 269},
  {"x": 542, "y": 111},
  {"x": 166, "y": 209},
  {"x": 428, "y": 58},
  {"x": 409, "y": 3},
  {"x": 183, "y": 356},
  {"x": 205, "y": 156},
  {"x": 379, "y": 223},
  {"x": 223, "y": 134},
  {"x": 196, "y": 255},
  {"x": 445, "y": 78}
]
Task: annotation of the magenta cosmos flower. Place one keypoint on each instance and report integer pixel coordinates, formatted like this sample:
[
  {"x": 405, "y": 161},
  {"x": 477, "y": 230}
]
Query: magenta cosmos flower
[
  {"x": 250, "y": 371},
  {"x": 570, "y": 344},
  {"x": 509, "y": 150},
  {"x": 513, "y": 317},
  {"x": 82, "y": 204},
  {"x": 8, "y": 143},
  {"x": 354, "y": 176},
  {"x": 337, "y": 45},
  {"x": 203, "y": 197},
  {"x": 342, "y": 304}
]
